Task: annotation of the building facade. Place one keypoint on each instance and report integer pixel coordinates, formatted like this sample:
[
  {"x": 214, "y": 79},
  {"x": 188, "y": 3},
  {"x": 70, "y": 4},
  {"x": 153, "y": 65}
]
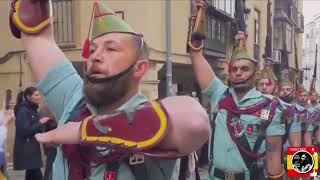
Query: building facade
[
  {"x": 71, "y": 21},
  {"x": 311, "y": 39}
]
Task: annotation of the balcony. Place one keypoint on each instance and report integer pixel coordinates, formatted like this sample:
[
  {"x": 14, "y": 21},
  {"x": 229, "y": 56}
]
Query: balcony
[{"x": 300, "y": 23}]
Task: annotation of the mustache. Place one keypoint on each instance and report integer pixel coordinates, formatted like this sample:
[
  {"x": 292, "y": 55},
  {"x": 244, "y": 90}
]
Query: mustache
[
  {"x": 108, "y": 79},
  {"x": 92, "y": 70}
]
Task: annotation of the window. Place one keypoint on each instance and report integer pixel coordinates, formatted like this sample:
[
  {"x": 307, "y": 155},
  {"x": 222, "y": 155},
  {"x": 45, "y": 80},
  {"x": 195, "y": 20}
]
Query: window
[
  {"x": 256, "y": 27},
  {"x": 226, "y": 6},
  {"x": 277, "y": 35},
  {"x": 216, "y": 29},
  {"x": 216, "y": 34},
  {"x": 293, "y": 11},
  {"x": 289, "y": 37},
  {"x": 63, "y": 21},
  {"x": 223, "y": 32}
]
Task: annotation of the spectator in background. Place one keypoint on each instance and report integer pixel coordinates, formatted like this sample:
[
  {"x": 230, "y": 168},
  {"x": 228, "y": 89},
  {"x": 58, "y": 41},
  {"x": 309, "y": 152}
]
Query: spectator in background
[
  {"x": 49, "y": 150},
  {"x": 6, "y": 118},
  {"x": 26, "y": 152}
]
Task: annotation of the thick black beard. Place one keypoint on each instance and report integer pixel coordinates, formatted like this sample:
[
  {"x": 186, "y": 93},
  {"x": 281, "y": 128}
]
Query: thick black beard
[
  {"x": 287, "y": 99},
  {"x": 105, "y": 93}
]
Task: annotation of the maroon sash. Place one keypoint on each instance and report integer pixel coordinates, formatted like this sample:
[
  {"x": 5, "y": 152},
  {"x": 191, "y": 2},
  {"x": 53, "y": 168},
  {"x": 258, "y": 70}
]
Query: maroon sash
[
  {"x": 84, "y": 156},
  {"x": 228, "y": 104}
]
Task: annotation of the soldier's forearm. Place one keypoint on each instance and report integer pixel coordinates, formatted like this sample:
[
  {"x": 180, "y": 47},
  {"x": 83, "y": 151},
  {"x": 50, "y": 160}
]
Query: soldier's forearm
[
  {"x": 66, "y": 134},
  {"x": 202, "y": 69},
  {"x": 42, "y": 52},
  {"x": 273, "y": 150}
]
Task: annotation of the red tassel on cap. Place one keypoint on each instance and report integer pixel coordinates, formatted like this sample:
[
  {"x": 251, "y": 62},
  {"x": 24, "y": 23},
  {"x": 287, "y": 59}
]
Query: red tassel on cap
[
  {"x": 229, "y": 68},
  {"x": 86, "y": 45},
  {"x": 86, "y": 49}
]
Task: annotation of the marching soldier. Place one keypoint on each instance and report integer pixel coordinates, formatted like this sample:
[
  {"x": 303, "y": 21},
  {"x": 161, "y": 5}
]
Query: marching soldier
[
  {"x": 267, "y": 81},
  {"x": 293, "y": 126},
  {"x": 304, "y": 115},
  {"x": 244, "y": 117},
  {"x": 314, "y": 107},
  {"x": 108, "y": 128},
  {"x": 314, "y": 99}
]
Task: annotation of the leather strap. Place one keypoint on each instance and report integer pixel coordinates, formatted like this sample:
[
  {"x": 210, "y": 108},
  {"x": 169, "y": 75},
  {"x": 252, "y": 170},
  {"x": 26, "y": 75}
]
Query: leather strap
[{"x": 249, "y": 156}]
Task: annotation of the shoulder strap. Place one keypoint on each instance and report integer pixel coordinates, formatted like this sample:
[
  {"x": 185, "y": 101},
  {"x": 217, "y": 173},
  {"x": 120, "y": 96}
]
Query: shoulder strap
[
  {"x": 212, "y": 117},
  {"x": 243, "y": 144}
]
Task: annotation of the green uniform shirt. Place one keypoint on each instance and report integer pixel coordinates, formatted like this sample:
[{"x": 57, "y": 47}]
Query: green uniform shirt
[
  {"x": 311, "y": 109},
  {"x": 63, "y": 90},
  {"x": 225, "y": 152}
]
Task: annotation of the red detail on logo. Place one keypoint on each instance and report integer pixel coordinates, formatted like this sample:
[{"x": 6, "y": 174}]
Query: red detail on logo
[
  {"x": 249, "y": 130},
  {"x": 302, "y": 161},
  {"x": 110, "y": 175}
]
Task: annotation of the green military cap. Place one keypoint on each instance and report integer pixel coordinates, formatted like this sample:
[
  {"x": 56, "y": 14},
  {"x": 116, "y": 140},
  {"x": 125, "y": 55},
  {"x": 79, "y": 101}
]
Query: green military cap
[
  {"x": 107, "y": 21},
  {"x": 301, "y": 89},
  {"x": 312, "y": 91},
  {"x": 240, "y": 53},
  {"x": 267, "y": 74},
  {"x": 286, "y": 82},
  {"x": 104, "y": 21}
]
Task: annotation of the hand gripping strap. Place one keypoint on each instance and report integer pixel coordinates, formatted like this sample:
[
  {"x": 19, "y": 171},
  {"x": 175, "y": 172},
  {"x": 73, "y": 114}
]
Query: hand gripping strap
[
  {"x": 137, "y": 129},
  {"x": 197, "y": 29},
  {"x": 28, "y": 22}
]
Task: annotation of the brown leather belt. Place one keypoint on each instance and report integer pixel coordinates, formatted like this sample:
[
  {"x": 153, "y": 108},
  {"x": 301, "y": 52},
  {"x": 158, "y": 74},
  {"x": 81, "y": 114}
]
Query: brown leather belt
[{"x": 228, "y": 175}]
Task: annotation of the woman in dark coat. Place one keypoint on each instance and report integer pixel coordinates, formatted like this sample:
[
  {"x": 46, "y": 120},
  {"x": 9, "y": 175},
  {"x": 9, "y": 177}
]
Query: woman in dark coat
[
  {"x": 27, "y": 153},
  {"x": 49, "y": 150}
]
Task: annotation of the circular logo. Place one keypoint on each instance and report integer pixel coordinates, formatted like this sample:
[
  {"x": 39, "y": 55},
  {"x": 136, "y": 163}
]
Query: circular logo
[{"x": 302, "y": 162}]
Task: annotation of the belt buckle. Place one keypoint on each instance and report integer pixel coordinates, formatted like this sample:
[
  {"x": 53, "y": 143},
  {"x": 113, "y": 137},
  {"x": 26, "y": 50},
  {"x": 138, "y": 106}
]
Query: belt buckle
[
  {"x": 136, "y": 159},
  {"x": 228, "y": 175}
]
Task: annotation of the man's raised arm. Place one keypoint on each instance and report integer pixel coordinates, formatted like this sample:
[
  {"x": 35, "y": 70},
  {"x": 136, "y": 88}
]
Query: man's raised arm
[
  {"x": 42, "y": 52},
  {"x": 201, "y": 67},
  {"x": 31, "y": 20}
]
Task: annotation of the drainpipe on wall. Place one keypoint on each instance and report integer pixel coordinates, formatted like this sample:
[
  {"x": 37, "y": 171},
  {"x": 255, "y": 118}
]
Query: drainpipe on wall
[{"x": 169, "y": 49}]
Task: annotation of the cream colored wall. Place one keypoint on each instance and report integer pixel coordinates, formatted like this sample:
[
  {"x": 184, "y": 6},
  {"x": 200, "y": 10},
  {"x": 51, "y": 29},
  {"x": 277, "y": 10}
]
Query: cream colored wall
[
  {"x": 8, "y": 43},
  {"x": 149, "y": 18},
  {"x": 146, "y": 17},
  {"x": 261, "y": 6}
]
